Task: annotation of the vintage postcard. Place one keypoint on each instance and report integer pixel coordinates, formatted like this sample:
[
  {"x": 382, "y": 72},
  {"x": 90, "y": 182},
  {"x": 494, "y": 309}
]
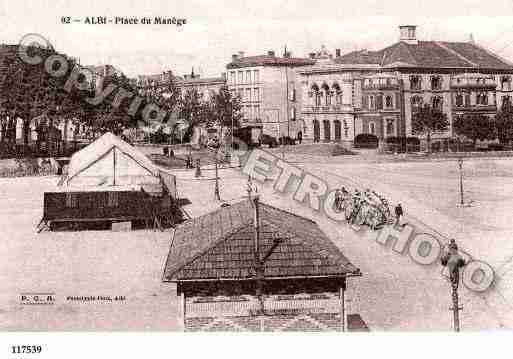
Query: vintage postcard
[{"x": 270, "y": 166}]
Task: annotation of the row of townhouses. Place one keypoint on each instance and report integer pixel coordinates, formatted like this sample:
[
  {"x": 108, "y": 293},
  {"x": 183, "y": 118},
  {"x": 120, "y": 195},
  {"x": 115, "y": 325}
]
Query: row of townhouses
[{"x": 326, "y": 97}]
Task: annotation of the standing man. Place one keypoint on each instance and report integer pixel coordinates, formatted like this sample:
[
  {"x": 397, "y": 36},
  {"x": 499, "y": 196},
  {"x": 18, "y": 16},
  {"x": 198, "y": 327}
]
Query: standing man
[{"x": 398, "y": 214}]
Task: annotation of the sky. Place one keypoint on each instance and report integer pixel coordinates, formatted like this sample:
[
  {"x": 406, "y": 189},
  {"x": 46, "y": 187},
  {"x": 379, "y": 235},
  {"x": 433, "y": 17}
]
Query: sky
[{"x": 217, "y": 29}]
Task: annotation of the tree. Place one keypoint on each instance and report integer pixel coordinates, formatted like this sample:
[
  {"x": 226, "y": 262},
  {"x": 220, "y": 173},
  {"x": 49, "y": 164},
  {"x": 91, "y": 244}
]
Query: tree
[
  {"x": 427, "y": 120},
  {"x": 475, "y": 127},
  {"x": 193, "y": 110},
  {"x": 504, "y": 123},
  {"x": 226, "y": 109}
]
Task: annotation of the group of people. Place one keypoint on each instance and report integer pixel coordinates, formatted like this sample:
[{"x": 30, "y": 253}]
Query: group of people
[{"x": 359, "y": 199}]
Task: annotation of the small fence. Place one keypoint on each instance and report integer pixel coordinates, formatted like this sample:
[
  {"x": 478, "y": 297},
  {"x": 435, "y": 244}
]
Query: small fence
[{"x": 28, "y": 168}]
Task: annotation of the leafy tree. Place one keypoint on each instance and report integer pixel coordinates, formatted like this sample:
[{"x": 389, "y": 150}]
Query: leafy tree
[
  {"x": 475, "y": 127},
  {"x": 504, "y": 123},
  {"x": 226, "y": 109},
  {"x": 165, "y": 94},
  {"x": 427, "y": 120},
  {"x": 194, "y": 110}
]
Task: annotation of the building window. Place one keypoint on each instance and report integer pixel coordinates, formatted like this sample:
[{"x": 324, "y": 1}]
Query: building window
[
  {"x": 459, "y": 100},
  {"x": 257, "y": 112},
  {"x": 390, "y": 127},
  {"x": 248, "y": 76},
  {"x": 71, "y": 200},
  {"x": 240, "y": 94},
  {"x": 506, "y": 100},
  {"x": 256, "y": 76},
  {"x": 241, "y": 77},
  {"x": 371, "y": 103},
  {"x": 482, "y": 98},
  {"x": 416, "y": 103},
  {"x": 436, "y": 83},
  {"x": 415, "y": 83},
  {"x": 327, "y": 95},
  {"x": 338, "y": 94},
  {"x": 506, "y": 83},
  {"x": 379, "y": 102},
  {"x": 372, "y": 128},
  {"x": 112, "y": 199},
  {"x": 256, "y": 94},
  {"x": 232, "y": 77},
  {"x": 293, "y": 113},
  {"x": 389, "y": 102},
  {"x": 248, "y": 95},
  {"x": 293, "y": 95},
  {"x": 437, "y": 103}
]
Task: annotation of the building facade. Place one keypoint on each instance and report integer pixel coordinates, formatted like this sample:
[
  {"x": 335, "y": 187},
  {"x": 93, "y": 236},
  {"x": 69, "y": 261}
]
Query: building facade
[
  {"x": 378, "y": 92},
  {"x": 266, "y": 85}
]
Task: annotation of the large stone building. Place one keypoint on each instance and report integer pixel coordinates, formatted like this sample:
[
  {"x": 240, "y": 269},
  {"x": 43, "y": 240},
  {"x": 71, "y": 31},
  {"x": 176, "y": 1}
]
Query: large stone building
[
  {"x": 379, "y": 91},
  {"x": 267, "y": 87}
]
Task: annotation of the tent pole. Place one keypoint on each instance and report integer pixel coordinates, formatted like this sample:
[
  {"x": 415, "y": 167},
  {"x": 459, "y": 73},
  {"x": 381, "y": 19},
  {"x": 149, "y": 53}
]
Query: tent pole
[{"x": 114, "y": 166}]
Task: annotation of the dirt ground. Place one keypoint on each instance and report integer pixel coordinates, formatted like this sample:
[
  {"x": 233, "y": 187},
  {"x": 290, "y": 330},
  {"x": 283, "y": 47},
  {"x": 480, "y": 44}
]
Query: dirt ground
[{"x": 394, "y": 293}]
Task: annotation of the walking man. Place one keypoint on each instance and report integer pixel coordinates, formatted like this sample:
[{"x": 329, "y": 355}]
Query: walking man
[{"x": 398, "y": 214}]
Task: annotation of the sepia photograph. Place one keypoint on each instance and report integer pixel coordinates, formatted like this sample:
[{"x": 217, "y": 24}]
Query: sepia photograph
[{"x": 272, "y": 166}]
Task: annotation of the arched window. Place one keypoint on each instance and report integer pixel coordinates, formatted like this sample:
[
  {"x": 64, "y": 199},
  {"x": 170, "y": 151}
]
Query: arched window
[
  {"x": 316, "y": 95},
  {"x": 316, "y": 130},
  {"x": 390, "y": 127},
  {"x": 327, "y": 95},
  {"x": 327, "y": 130},
  {"x": 338, "y": 94},
  {"x": 338, "y": 130},
  {"x": 372, "y": 128}
]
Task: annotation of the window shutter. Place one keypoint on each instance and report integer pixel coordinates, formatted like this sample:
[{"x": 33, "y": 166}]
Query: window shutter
[
  {"x": 365, "y": 102},
  {"x": 379, "y": 102}
]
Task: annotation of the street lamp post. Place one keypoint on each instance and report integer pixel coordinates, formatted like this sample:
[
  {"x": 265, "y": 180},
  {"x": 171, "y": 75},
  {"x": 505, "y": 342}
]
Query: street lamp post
[
  {"x": 460, "y": 165},
  {"x": 216, "y": 188},
  {"x": 453, "y": 261}
]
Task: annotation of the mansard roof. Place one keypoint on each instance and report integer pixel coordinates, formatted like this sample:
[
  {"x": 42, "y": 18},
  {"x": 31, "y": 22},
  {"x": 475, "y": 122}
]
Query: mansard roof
[
  {"x": 429, "y": 54},
  {"x": 220, "y": 245}
]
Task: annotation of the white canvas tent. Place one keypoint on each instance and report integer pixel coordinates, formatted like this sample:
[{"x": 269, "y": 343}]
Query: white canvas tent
[{"x": 110, "y": 161}]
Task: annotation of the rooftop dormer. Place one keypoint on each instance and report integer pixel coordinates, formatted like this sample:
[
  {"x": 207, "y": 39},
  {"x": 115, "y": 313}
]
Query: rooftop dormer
[{"x": 408, "y": 34}]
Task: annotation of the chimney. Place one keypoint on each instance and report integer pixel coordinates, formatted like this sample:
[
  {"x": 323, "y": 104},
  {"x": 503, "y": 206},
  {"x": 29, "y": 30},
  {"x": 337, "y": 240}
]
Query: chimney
[
  {"x": 407, "y": 34},
  {"x": 337, "y": 52},
  {"x": 241, "y": 54},
  {"x": 270, "y": 53},
  {"x": 235, "y": 57},
  {"x": 287, "y": 54},
  {"x": 312, "y": 55}
]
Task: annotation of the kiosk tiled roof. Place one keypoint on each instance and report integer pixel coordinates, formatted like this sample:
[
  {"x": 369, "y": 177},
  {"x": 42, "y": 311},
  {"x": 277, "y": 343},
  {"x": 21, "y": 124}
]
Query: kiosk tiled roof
[{"x": 220, "y": 245}]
